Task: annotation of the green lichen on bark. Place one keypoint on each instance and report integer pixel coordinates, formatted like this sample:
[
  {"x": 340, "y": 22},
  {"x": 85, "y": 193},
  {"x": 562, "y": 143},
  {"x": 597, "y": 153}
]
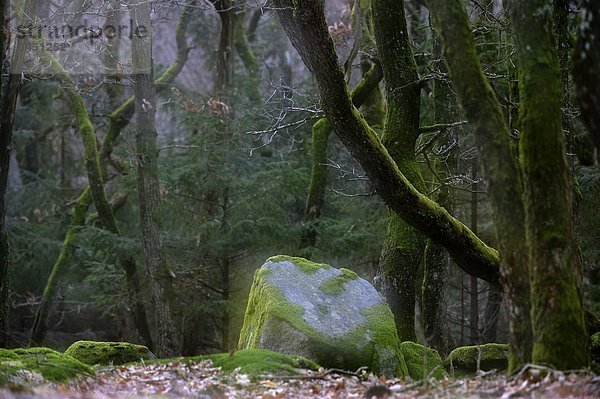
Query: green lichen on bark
[
  {"x": 559, "y": 331},
  {"x": 24, "y": 365},
  {"x": 107, "y": 353}
]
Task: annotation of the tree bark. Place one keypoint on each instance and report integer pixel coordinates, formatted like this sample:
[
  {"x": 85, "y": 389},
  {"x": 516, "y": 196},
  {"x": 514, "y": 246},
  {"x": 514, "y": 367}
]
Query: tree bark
[
  {"x": 226, "y": 11},
  {"x": 159, "y": 275},
  {"x": 483, "y": 111},
  {"x": 307, "y": 29},
  {"x": 559, "y": 331}
]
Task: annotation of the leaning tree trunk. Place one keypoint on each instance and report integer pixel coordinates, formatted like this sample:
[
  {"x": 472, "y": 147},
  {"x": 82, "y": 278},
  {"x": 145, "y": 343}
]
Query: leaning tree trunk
[
  {"x": 404, "y": 245},
  {"x": 159, "y": 275},
  {"x": 483, "y": 111},
  {"x": 559, "y": 331},
  {"x": 307, "y": 29}
]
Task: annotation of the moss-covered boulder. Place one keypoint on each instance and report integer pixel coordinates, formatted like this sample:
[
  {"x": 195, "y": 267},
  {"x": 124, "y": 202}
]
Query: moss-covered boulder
[
  {"x": 330, "y": 316},
  {"x": 38, "y": 365},
  {"x": 470, "y": 359},
  {"x": 422, "y": 362},
  {"x": 105, "y": 353}
]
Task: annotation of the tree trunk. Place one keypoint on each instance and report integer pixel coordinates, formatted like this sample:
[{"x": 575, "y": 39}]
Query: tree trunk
[
  {"x": 474, "y": 297},
  {"x": 40, "y": 323},
  {"x": 404, "y": 245},
  {"x": 159, "y": 275},
  {"x": 587, "y": 68},
  {"x": 224, "y": 70},
  {"x": 8, "y": 101},
  {"x": 483, "y": 110},
  {"x": 489, "y": 327},
  {"x": 559, "y": 331},
  {"x": 437, "y": 261}
]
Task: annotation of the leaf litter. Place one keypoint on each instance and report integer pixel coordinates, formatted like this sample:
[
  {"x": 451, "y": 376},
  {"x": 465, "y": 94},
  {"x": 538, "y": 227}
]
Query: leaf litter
[{"x": 181, "y": 379}]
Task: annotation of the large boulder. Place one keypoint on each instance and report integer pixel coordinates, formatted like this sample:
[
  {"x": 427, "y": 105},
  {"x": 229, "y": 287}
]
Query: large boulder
[
  {"x": 330, "y": 316},
  {"x": 105, "y": 353},
  {"x": 470, "y": 359}
]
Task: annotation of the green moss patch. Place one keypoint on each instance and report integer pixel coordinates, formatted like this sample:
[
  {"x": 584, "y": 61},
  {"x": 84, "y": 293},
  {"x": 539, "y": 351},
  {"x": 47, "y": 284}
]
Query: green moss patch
[
  {"x": 335, "y": 286},
  {"x": 422, "y": 362},
  {"x": 36, "y": 365},
  {"x": 106, "y": 353},
  {"x": 306, "y": 266},
  {"x": 261, "y": 361},
  {"x": 469, "y": 359}
]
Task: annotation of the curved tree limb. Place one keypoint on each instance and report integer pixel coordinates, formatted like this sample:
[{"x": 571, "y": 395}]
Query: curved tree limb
[{"x": 307, "y": 29}]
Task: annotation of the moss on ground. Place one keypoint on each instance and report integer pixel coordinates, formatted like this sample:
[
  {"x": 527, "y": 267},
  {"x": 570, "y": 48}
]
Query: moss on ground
[
  {"x": 105, "y": 353},
  {"x": 36, "y": 365},
  {"x": 335, "y": 286},
  {"x": 422, "y": 362},
  {"x": 469, "y": 359},
  {"x": 261, "y": 361}
]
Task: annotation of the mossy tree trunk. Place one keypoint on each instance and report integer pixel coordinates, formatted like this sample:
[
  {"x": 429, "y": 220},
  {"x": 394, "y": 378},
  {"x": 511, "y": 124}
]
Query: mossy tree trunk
[
  {"x": 505, "y": 190},
  {"x": 40, "y": 323},
  {"x": 321, "y": 131},
  {"x": 404, "y": 245},
  {"x": 159, "y": 274},
  {"x": 247, "y": 56},
  {"x": 559, "y": 331},
  {"x": 307, "y": 29}
]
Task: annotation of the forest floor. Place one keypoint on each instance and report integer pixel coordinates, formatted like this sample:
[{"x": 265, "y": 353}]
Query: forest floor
[{"x": 202, "y": 380}]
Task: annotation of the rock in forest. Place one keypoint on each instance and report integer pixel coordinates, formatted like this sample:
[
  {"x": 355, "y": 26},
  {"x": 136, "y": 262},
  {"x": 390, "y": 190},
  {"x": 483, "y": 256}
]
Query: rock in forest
[
  {"x": 423, "y": 363},
  {"x": 34, "y": 366},
  {"x": 328, "y": 315},
  {"x": 105, "y": 353},
  {"x": 469, "y": 359}
]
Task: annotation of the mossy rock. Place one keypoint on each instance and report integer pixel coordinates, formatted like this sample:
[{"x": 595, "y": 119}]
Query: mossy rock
[
  {"x": 38, "y": 365},
  {"x": 422, "y": 362},
  {"x": 261, "y": 361},
  {"x": 107, "y": 353},
  {"x": 330, "y": 316},
  {"x": 470, "y": 359}
]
